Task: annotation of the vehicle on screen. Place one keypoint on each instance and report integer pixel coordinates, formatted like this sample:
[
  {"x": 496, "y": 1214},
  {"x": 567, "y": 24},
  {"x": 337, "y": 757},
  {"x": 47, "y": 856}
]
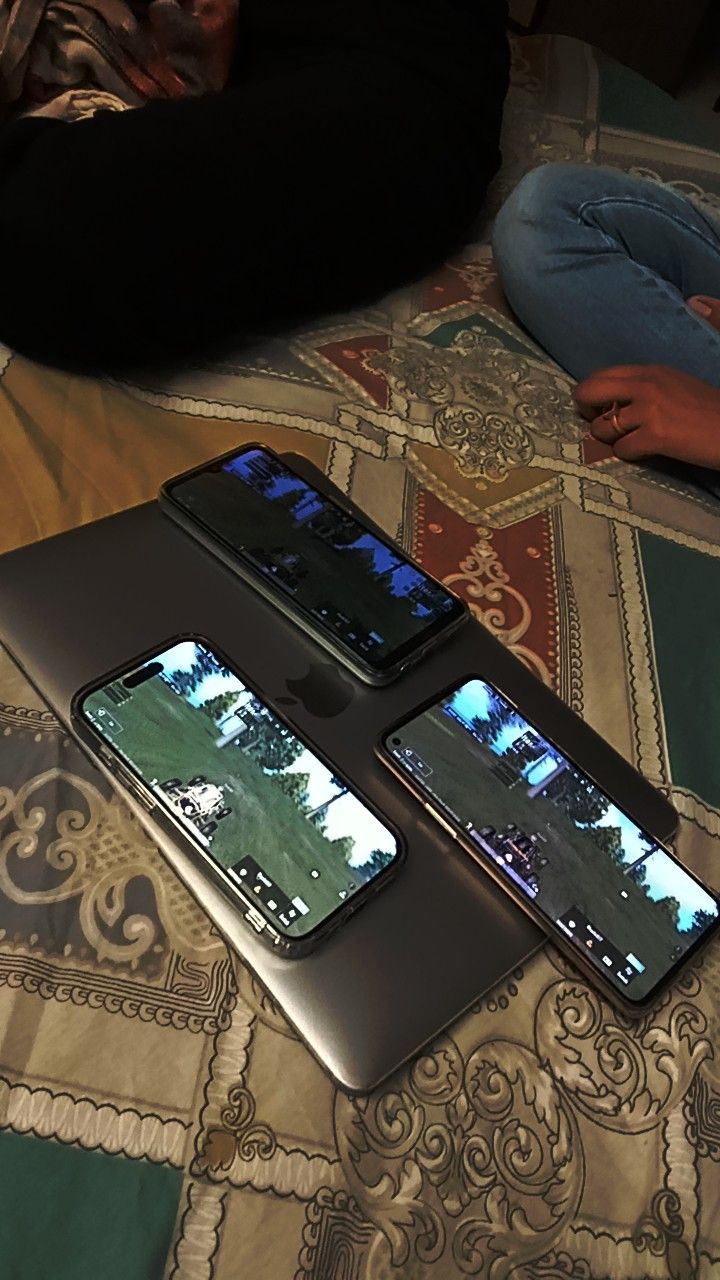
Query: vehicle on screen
[{"x": 199, "y": 801}]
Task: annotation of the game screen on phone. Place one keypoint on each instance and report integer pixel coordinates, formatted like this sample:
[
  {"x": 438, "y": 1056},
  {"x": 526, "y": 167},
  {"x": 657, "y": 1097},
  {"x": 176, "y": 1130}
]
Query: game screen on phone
[
  {"x": 351, "y": 583},
  {"x": 630, "y": 907},
  {"x": 267, "y": 810}
]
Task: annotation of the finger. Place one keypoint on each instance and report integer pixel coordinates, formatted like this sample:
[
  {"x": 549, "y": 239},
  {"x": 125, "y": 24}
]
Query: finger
[
  {"x": 610, "y": 426},
  {"x": 601, "y": 389},
  {"x": 636, "y": 445},
  {"x": 706, "y": 307}
]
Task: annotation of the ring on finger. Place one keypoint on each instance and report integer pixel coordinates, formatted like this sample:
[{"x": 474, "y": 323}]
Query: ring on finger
[{"x": 611, "y": 415}]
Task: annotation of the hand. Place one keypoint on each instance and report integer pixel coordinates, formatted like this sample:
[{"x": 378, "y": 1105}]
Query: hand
[
  {"x": 642, "y": 410},
  {"x": 708, "y": 308}
]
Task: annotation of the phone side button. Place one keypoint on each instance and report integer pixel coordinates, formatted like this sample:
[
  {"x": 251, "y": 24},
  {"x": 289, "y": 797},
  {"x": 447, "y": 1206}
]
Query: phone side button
[
  {"x": 136, "y": 790},
  {"x": 441, "y": 821}
]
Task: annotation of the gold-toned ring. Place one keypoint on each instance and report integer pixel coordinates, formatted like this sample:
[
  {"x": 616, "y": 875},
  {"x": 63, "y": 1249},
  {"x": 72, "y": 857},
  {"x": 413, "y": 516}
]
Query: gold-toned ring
[{"x": 611, "y": 415}]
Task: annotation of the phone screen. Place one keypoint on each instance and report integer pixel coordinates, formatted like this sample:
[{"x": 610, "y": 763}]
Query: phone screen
[
  {"x": 346, "y": 581},
  {"x": 273, "y": 817},
  {"x": 630, "y": 907}
]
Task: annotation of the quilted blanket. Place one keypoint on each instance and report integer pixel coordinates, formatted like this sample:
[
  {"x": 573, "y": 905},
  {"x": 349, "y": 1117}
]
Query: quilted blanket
[
  {"x": 158, "y": 1117},
  {"x": 111, "y": 53}
]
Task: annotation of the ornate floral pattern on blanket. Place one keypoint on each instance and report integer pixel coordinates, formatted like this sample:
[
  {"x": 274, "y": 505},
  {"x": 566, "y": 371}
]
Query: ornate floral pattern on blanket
[{"x": 544, "y": 1135}]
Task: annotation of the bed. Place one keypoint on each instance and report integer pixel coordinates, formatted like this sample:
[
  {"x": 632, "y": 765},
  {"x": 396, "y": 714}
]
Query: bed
[{"x": 158, "y": 1118}]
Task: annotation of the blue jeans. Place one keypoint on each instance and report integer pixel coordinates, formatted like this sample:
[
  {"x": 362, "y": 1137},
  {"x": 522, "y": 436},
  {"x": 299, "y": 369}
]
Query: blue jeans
[{"x": 598, "y": 265}]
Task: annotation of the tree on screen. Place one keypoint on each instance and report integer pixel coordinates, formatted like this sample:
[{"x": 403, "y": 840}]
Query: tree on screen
[
  {"x": 318, "y": 815},
  {"x": 671, "y": 907},
  {"x": 222, "y": 702},
  {"x": 700, "y": 922},
  {"x": 205, "y": 664},
  {"x": 636, "y": 869},
  {"x": 580, "y": 799},
  {"x": 377, "y": 861},
  {"x": 609, "y": 841},
  {"x": 295, "y": 786},
  {"x": 271, "y": 749},
  {"x": 264, "y": 472},
  {"x": 182, "y": 682},
  {"x": 363, "y": 557},
  {"x": 335, "y": 527},
  {"x": 208, "y": 664},
  {"x": 637, "y": 873},
  {"x": 344, "y": 847},
  {"x": 488, "y": 728}
]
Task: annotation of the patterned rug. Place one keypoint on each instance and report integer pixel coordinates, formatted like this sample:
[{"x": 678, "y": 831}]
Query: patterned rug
[{"x": 158, "y": 1117}]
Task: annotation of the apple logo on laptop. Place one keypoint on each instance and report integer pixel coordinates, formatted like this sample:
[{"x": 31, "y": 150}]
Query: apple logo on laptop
[{"x": 323, "y": 691}]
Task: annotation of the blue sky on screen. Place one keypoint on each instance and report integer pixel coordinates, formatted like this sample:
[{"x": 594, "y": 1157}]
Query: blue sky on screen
[
  {"x": 181, "y": 657},
  {"x": 506, "y": 737},
  {"x": 475, "y": 699},
  {"x": 282, "y": 483},
  {"x": 211, "y": 686},
  {"x": 666, "y": 879},
  {"x": 633, "y": 844},
  {"x": 346, "y": 817},
  {"x": 537, "y": 773},
  {"x": 406, "y": 577}
]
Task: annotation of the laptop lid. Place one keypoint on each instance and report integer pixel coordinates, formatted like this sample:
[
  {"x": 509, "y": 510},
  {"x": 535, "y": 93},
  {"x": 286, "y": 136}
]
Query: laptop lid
[{"x": 420, "y": 952}]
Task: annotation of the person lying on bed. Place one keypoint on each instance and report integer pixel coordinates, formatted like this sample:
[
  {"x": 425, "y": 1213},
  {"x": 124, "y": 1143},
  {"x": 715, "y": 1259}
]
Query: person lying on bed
[
  {"x": 611, "y": 274},
  {"x": 175, "y": 172}
]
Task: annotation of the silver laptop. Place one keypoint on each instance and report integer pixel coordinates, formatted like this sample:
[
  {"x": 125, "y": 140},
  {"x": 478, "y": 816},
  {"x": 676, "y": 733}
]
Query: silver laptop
[{"x": 74, "y": 607}]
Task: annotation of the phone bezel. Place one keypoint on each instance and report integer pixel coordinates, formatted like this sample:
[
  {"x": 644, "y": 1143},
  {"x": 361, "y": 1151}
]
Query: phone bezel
[
  {"x": 399, "y": 659},
  {"x": 545, "y": 923},
  {"x": 120, "y": 768}
]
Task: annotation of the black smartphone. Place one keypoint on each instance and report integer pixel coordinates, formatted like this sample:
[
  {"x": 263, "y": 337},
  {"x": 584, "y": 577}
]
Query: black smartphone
[
  {"x": 615, "y": 900},
  {"x": 286, "y": 834},
  {"x": 314, "y": 556}
]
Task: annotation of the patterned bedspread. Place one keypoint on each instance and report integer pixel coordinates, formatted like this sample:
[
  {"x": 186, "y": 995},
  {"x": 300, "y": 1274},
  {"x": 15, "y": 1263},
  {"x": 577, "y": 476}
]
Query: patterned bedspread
[{"x": 158, "y": 1117}]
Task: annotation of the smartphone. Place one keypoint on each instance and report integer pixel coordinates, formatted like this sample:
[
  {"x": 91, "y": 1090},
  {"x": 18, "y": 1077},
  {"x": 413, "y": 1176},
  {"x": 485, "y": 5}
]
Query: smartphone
[
  {"x": 286, "y": 835},
  {"x": 619, "y": 903},
  {"x": 339, "y": 578}
]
